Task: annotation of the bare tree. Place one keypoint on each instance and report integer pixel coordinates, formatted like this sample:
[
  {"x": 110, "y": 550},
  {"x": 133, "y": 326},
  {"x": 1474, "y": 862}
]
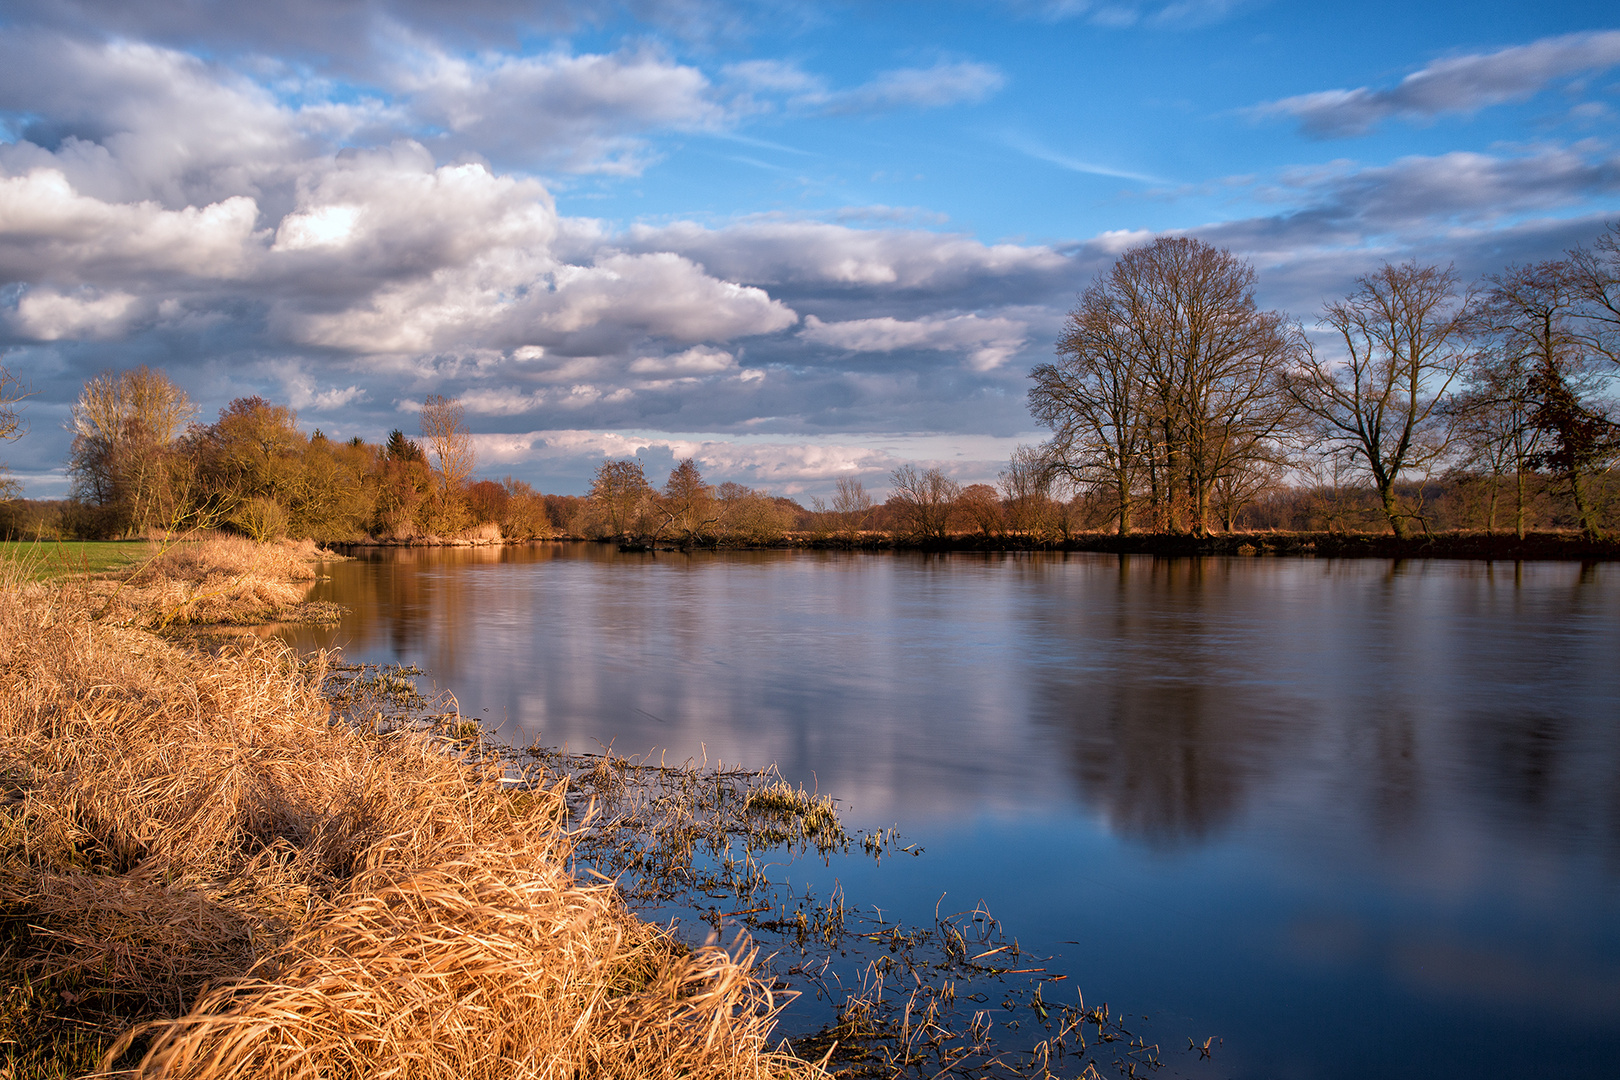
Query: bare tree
[
  {"x": 445, "y": 431},
  {"x": 1169, "y": 379},
  {"x": 1594, "y": 274},
  {"x": 619, "y": 492},
  {"x": 924, "y": 501},
  {"x": 1493, "y": 428},
  {"x": 12, "y": 392},
  {"x": 1026, "y": 489},
  {"x": 1407, "y": 337},
  {"x": 124, "y": 426},
  {"x": 852, "y": 505},
  {"x": 1542, "y": 352},
  {"x": 687, "y": 505},
  {"x": 980, "y": 505}
]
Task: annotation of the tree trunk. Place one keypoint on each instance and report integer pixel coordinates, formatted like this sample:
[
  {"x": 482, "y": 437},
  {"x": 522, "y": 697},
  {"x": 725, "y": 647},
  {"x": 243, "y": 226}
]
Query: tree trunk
[
  {"x": 1518, "y": 520},
  {"x": 1386, "y": 493},
  {"x": 1582, "y": 508}
]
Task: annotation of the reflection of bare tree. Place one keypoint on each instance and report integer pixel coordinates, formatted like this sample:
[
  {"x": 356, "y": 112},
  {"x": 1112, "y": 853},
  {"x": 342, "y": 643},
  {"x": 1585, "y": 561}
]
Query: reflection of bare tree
[
  {"x": 1168, "y": 743},
  {"x": 1158, "y": 765},
  {"x": 1551, "y": 779}
]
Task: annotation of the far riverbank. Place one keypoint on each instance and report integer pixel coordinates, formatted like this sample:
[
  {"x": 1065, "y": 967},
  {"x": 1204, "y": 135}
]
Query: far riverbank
[{"x": 1335, "y": 545}]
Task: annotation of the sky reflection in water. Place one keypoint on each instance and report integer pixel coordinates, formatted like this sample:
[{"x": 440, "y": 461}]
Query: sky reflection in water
[{"x": 1352, "y": 815}]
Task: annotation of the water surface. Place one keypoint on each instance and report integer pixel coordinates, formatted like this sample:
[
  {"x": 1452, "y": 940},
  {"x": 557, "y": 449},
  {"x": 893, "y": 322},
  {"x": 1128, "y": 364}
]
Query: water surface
[{"x": 1355, "y": 817}]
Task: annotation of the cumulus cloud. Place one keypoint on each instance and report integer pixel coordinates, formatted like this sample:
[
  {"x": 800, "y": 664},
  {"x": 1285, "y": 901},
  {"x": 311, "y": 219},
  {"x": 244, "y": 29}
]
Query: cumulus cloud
[
  {"x": 689, "y": 363},
  {"x": 1462, "y": 84},
  {"x": 988, "y": 342},
  {"x": 50, "y": 231},
  {"x": 817, "y": 254},
  {"x": 46, "y": 315}
]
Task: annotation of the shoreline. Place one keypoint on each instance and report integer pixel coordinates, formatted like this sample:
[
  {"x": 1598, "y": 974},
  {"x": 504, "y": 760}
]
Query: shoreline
[{"x": 1484, "y": 547}]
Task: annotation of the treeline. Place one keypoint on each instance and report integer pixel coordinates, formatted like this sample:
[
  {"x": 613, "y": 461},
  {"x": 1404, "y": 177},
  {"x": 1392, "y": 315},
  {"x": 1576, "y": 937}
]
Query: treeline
[
  {"x": 1180, "y": 406},
  {"x": 141, "y": 465}
]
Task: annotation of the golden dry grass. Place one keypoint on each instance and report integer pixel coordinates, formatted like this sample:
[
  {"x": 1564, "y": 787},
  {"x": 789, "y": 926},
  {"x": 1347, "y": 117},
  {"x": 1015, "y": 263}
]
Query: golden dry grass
[
  {"x": 218, "y": 579},
  {"x": 191, "y": 849}
]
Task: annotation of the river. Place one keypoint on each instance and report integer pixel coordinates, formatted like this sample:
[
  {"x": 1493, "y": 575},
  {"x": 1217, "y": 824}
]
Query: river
[{"x": 1352, "y": 817}]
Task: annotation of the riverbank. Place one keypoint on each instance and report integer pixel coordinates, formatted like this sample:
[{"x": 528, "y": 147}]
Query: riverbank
[
  {"x": 201, "y": 869},
  {"x": 1334, "y": 545}
]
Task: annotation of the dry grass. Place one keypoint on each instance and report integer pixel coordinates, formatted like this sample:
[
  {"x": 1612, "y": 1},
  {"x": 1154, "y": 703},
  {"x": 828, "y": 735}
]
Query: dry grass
[
  {"x": 193, "y": 852},
  {"x": 219, "y": 579}
]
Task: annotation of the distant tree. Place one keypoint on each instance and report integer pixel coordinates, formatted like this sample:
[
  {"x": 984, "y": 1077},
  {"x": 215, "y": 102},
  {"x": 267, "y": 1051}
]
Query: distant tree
[
  {"x": 12, "y": 391},
  {"x": 524, "y": 514},
  {"x": 1026, "y": 489},
  {"x": 619, "y": 494},
  {"x": 979, "y": 505},
  {"x": 448, "y": 440},
  {"x": 851, "y": 502},
  {"x": 1539, "y": 357},
  {"x": 1581, "y": 438},
  {"x": 1407, "y": 336},
  {"x": 923, "y": 501},
  {"x": 747, "y": 516},
  {"x": 400, "y": 448},
  {"x": 124, "y": 428},
  {"x": 687, "y": 506}
]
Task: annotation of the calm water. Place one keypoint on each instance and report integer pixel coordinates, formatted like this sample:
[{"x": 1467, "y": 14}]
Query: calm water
[{"x": 1356, "y": 818}]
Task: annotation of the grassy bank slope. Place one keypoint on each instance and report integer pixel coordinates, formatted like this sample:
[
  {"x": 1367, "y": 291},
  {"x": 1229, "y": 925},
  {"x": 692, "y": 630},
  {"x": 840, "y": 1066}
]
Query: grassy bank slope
[{"x": 202, "y": 876}]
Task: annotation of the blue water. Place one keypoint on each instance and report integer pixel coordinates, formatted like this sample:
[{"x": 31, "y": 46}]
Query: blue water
[{"x": 1352, "y": 817}]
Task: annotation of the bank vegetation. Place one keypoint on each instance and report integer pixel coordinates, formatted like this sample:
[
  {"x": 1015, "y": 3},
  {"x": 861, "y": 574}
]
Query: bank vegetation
[{"x": 204, "y": 872}]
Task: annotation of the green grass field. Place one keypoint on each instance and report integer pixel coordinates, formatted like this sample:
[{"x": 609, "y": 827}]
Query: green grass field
[{"x": 46, "y": 559}]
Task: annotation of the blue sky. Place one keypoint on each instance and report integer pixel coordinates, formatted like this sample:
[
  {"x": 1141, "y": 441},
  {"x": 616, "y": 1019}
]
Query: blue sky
[{"x": 795, "y": 240}]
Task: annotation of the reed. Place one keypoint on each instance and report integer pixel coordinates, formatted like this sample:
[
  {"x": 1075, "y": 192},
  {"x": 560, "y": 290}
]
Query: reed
[{"x": 203, "y": 875}]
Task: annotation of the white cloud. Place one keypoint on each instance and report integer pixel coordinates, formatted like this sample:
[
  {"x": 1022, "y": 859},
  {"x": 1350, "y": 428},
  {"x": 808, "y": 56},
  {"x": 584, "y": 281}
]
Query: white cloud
[
  {"x": 45, "y": 315},
  {"x": 697, "y": 361},
  {"x": 988, "y": 342},
  {"x": 48, "y": 230},
  {"x": 803, "y": 252},
  {"x": 1462, "y": 84},
  {"x": 582, "y": 111}
]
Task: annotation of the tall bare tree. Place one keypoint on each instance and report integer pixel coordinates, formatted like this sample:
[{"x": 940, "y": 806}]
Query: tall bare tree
[
  {"x": 448, "y": 441},
  {"x": 1169, "y": 378},
  {"x": 1407, "y": 336},
  {"x": 1092, "y": 399},
  {"x": 1493, "y": 428}
]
